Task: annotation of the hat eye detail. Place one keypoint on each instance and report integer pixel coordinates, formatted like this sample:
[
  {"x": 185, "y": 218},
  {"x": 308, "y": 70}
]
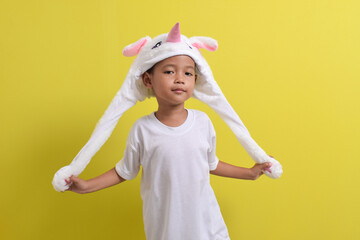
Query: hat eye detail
[{"x": 157, "y": 45}]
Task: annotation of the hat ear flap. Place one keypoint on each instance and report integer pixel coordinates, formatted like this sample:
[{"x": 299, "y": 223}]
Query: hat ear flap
[
  {"x": 134, "y": 48},
  {"x": 204, "y": 42}
]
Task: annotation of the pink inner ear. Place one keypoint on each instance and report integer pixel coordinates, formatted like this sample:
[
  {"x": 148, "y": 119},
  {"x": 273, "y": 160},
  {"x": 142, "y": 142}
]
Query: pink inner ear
[
  {"x": 200, "y": 45},
  {"x": 133, "y": 49}
]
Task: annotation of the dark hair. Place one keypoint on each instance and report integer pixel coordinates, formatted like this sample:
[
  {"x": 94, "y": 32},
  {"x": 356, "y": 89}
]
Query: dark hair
[{"x": 150, "y": 70}]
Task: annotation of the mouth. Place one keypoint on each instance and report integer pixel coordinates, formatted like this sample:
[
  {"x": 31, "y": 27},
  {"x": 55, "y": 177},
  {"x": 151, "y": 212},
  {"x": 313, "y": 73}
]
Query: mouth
[{"x": 178, "y": 90}]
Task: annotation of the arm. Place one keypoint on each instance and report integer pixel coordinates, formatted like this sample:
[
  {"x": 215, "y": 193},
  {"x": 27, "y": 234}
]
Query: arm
[
  {"x": 108, "y": 179},
  {"x": 231, "y": 171}
]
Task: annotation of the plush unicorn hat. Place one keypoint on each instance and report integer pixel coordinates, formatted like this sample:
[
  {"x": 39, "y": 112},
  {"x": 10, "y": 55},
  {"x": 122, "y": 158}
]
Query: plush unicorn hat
[{"x": 149, "y": 52}]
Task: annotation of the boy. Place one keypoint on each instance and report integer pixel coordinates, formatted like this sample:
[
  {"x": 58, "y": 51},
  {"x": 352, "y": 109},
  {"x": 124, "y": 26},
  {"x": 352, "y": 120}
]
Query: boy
[{"x": 176, "y": 148}]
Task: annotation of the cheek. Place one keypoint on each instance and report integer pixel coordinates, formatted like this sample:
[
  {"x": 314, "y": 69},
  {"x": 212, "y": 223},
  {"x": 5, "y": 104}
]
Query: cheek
[
  {"x": 193, "y": 82},
  {"x": 160, "y": 85},
  {"x": 191, "y": 87}
]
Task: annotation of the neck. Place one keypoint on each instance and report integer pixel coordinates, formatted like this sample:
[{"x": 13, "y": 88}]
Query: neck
[{"x": 172, "y": 116}]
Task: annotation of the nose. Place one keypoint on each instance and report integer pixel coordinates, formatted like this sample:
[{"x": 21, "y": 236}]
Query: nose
[{"x": 179, "y": 78}]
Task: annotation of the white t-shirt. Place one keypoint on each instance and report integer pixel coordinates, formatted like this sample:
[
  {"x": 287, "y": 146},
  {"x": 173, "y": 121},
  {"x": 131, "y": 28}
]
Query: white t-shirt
[{"x": 178, "y": 201}]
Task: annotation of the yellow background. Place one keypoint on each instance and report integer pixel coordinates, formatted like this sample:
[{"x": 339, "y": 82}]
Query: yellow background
[{"x": 289, "y": 68}]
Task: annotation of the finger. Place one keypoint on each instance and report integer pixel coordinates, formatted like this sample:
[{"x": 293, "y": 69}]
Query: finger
[
  {"x": 67, "y": 186},
  {"x": 74, "y": 179},
  {"x": 268, "y": 170},
  {"x": 266, "y": 167},
  {"x": 68, "y": 181}
]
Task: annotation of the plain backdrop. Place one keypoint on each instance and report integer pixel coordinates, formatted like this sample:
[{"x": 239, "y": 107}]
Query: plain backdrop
[{"x": 289, "y": 68}]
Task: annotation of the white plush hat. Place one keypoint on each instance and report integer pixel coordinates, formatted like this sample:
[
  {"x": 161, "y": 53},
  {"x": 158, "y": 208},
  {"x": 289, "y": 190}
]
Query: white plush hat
[{"x": 149, "y": 52}]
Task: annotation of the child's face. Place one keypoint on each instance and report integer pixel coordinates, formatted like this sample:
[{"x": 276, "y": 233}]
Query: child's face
[{"x": 172, "y": 80}]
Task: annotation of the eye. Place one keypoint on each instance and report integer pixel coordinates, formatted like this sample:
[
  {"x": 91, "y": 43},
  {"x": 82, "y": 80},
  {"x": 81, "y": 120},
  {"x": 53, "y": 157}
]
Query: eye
[
  {"x": 188, "y": 74},
  {"x": 157, "y": 45},
  {"x": 168, "y": 72}
]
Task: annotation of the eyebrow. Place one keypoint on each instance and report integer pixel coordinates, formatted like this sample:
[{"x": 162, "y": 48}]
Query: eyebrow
[{"x": 173, "y": 65}]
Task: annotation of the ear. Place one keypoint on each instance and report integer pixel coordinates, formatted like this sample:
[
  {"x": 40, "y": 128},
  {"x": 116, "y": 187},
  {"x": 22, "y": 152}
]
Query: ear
[
  {"x": 134, "y": 48},
  {"x": 204, "y": 42},
  {"x": 146, "y": 78}
]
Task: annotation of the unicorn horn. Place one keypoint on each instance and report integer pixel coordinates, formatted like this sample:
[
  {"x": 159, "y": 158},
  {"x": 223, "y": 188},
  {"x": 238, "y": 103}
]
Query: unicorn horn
[{"x": 174, "y": 35}]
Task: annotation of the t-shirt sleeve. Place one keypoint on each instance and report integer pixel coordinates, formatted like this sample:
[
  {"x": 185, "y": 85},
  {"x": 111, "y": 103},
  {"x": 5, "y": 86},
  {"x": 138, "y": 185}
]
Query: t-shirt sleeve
[
  {"x": 212, "y": 158},
  {"x": 128, "y": 167}
]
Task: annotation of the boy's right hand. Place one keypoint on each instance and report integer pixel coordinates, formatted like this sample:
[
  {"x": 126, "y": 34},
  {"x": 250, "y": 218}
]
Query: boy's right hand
[{"x": 259, "y": 168}]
